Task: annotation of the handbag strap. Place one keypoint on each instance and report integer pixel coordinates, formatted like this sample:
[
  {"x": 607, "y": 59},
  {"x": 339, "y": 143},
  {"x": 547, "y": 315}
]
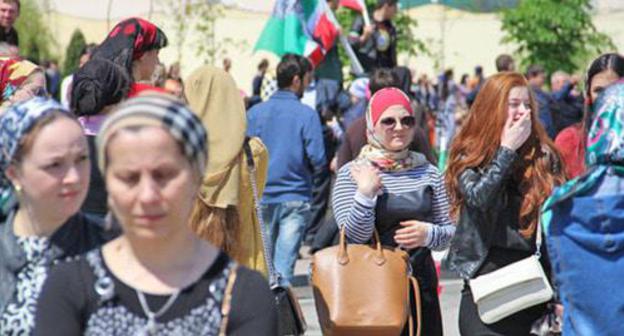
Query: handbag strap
[
  {"x": 226, "y": 306},
  {"x": 268, "y": 250},
  {"x": 538, "y": 238},
  {"x": 418, "y": 303}
]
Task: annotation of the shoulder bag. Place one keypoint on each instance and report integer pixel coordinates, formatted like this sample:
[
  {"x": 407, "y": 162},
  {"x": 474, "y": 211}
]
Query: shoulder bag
[
  {"x": 515, "y": 287},
  {"x": 291, "y": 319},
  {"x": 364, "y": 289}
]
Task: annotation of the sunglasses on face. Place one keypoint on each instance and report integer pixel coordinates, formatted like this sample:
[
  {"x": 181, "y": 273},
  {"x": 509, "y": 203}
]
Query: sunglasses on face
[{"x": 390, "y": 122}]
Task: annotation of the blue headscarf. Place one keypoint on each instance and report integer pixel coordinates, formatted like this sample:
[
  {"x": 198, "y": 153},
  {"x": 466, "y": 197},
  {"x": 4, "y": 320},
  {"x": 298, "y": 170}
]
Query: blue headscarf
[
  {"x": 15, "y": 123},
  {"x": 605, "y": 148}
]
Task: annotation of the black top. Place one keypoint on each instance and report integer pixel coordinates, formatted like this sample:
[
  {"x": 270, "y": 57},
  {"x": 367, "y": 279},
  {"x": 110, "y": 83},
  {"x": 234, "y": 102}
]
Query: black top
[
  {"x": 379, "y": 51},
  {"x": 96, "y": 202},
  {"x": 9, "y": 37},
  {"x": 69, "y": 304}
]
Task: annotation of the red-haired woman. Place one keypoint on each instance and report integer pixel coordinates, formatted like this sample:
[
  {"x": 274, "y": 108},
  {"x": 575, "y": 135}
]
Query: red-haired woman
[{"x": 502, "y": 166}]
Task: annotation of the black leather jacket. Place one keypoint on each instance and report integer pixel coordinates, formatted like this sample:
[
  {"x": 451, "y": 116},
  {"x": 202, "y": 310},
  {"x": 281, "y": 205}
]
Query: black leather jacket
[
  {"x": 77, "y": 236},
  {"x": 481, "y": 219}
]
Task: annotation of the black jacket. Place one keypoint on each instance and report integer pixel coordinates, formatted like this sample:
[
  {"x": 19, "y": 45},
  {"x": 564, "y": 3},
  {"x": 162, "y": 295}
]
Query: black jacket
[
  {"x": 77, "y": 236},
  {"x": 489, "y": 216}
]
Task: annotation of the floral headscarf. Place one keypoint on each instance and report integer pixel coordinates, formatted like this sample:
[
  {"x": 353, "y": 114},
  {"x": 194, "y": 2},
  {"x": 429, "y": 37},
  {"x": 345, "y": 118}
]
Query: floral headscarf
[
  {"x": 605, "y": 148},
  {"x": 13, "y": 73},
  {"x": 129, "y": 40}
]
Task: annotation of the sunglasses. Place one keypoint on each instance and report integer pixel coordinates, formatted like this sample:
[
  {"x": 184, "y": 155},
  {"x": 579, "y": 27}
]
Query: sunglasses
[{"x": 407, "y": 121}]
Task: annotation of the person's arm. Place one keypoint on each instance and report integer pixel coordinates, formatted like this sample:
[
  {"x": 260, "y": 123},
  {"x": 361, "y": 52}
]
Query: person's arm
[
  {"x": 442, "y": 230},
  {"x": 359, "y": 33},
  {"x": 564, "y": 92},
  {"x": 253, "y": 306},
  {"x": 479, "y": 187},
  {"x": 353, "y": 210},
  {"x": 59, "y": 304},
  {"x": 313, "y": 143}
]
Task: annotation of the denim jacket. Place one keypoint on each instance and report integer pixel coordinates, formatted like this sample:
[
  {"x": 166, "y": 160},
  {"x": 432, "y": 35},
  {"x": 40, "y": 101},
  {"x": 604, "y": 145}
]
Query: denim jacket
[{"x": 77, "y": 236}]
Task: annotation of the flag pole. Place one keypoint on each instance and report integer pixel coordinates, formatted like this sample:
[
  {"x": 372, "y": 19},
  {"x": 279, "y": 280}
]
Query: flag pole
[{"x": 356, "y": 66}]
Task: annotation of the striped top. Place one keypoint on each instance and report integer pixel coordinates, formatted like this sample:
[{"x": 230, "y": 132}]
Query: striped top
[{"x": 356, "y": 212}]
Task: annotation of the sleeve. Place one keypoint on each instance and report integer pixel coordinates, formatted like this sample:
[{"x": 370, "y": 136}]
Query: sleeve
[
  {"x": 442, "y": 230},
  {"x": 354, "y": 211},
  {"x": 356, "y": 30},
  {"x": 59, "y": 305},
  {"x": 563, "y": 93},
  {"x": 253, "y": 308},
  {"x": 313, "y": 142},
  {"x": 480, "y": 187}
]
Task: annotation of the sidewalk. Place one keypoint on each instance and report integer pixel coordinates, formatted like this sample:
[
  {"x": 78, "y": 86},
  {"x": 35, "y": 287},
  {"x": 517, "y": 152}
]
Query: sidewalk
[{"x": 449, "y": 299}]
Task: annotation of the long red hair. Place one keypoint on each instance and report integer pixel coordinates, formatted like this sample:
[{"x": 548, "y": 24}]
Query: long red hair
[{"x": 479, "y": 138}]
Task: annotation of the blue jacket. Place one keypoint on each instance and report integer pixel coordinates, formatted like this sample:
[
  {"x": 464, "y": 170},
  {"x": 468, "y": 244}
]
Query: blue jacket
[
  {"x": 586, "y": 246},
  {"x": 292, "y": 134}
]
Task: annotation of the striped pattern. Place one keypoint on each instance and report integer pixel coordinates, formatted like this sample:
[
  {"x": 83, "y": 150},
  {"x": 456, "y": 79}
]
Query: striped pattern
[{"x": 356, "y": 212}]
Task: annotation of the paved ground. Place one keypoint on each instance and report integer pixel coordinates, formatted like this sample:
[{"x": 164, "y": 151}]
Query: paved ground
[{"x": 449, "y": 300}]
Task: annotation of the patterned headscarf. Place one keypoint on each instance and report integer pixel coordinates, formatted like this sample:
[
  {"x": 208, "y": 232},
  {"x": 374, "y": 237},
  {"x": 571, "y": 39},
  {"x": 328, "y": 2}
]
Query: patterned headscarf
[
  {"x": 374, "y": 152},
  {"x": 605, "y": 148},
  {"x": 154, "y": 109},
  {"x": 13, "y": 73},
  {"x": 129, "y": 40},
  {"x": 15, "y": 123}
]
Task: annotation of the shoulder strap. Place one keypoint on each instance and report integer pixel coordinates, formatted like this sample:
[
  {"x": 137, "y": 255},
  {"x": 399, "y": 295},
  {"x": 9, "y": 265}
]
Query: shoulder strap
[
  {"x": 226, "y": 306},
  {"x": 268, "y": 253}
]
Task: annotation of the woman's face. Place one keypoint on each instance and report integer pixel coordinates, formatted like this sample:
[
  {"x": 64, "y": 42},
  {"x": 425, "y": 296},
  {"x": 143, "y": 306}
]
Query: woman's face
[
  {"x": 395, "y": 128},
  {"x": 151, "y": 184},
  {"x": 518, "y": 103},
  {"x": 146, "y": 65},
  {"x": 54, "y": 173},
  {"x": 600, "y": 81}
]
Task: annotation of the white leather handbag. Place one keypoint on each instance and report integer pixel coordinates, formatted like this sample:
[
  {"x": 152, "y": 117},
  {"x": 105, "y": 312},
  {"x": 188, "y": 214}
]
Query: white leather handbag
[{"x": 512, "y": 288}]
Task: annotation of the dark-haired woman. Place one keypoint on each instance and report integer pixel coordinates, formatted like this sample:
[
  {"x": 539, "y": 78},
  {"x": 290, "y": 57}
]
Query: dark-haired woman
[
  {"x": 44, "y": 175},
  {"x": 502, "y": 166},
  {"x": 604, "y": 70}
]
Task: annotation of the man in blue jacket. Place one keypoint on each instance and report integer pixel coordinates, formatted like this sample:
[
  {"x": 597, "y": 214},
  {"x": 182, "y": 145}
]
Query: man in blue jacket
[{"x": 292, "y": 134}]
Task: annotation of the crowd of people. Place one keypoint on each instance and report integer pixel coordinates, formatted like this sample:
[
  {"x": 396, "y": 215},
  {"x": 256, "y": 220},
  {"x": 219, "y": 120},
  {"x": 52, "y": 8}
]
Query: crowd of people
[{"x": 137, "y": 202}]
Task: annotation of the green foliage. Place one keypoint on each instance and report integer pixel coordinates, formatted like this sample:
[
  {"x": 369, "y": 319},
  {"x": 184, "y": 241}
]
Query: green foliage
[
  {"x": 77, "y": 44},
  {"x": 35, "y": 39},
  {"x": 405, "y": 25},
  {"x": 557, "y": 34}
]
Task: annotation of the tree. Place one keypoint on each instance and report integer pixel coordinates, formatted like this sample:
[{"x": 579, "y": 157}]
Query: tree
[
  {"x": 557, "y": 34},
  {"x": 77, "y": 44},
  {"x": 35, "y": 39}
]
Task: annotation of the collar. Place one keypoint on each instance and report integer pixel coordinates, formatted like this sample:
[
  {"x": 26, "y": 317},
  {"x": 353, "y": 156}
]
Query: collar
[
  {"x": 61, "y": 239},
  {"x": 285, "y": 94}
]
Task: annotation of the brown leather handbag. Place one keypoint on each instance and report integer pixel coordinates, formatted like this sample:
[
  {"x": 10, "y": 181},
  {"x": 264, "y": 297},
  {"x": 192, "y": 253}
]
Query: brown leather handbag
[{"x": 363, "y": 289}]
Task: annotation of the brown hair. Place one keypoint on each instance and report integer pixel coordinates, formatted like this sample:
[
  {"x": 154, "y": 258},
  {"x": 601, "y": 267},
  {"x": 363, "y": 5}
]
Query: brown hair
[
  {"x": 219, "y": 226},
  {"x": 479, "y": 139}
]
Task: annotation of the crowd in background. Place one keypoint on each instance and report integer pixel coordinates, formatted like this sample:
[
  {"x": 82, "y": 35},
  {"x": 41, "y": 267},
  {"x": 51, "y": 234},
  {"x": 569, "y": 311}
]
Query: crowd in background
[{"x": 176, "y": 206}]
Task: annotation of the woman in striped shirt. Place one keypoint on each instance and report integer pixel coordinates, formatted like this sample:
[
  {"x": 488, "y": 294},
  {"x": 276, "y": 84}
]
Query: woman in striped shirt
[{"x": 398, "y": 193}]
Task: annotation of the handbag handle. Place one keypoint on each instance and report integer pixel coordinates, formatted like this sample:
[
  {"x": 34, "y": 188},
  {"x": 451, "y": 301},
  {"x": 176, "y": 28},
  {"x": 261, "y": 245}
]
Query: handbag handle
[
  {"x": 343, "y": 256},
  {"x": 268, "y": 250}
]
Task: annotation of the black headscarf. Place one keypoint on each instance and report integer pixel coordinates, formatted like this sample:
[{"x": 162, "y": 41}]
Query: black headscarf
[{"x": 97, "y": 84}]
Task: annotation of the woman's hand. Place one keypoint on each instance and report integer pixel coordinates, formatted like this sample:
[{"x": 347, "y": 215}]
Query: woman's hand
[
  {"x": 367, "y": 179},
  {"x": 412, "y": 235},
  {"x": 516, "y": 133}
]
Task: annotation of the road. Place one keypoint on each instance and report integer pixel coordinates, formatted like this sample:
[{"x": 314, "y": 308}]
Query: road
[{"x": 449, "y": 300}]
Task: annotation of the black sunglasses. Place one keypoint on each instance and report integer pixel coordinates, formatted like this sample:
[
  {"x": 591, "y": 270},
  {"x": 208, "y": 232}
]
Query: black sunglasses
[{"x": 407, "y": 121}]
